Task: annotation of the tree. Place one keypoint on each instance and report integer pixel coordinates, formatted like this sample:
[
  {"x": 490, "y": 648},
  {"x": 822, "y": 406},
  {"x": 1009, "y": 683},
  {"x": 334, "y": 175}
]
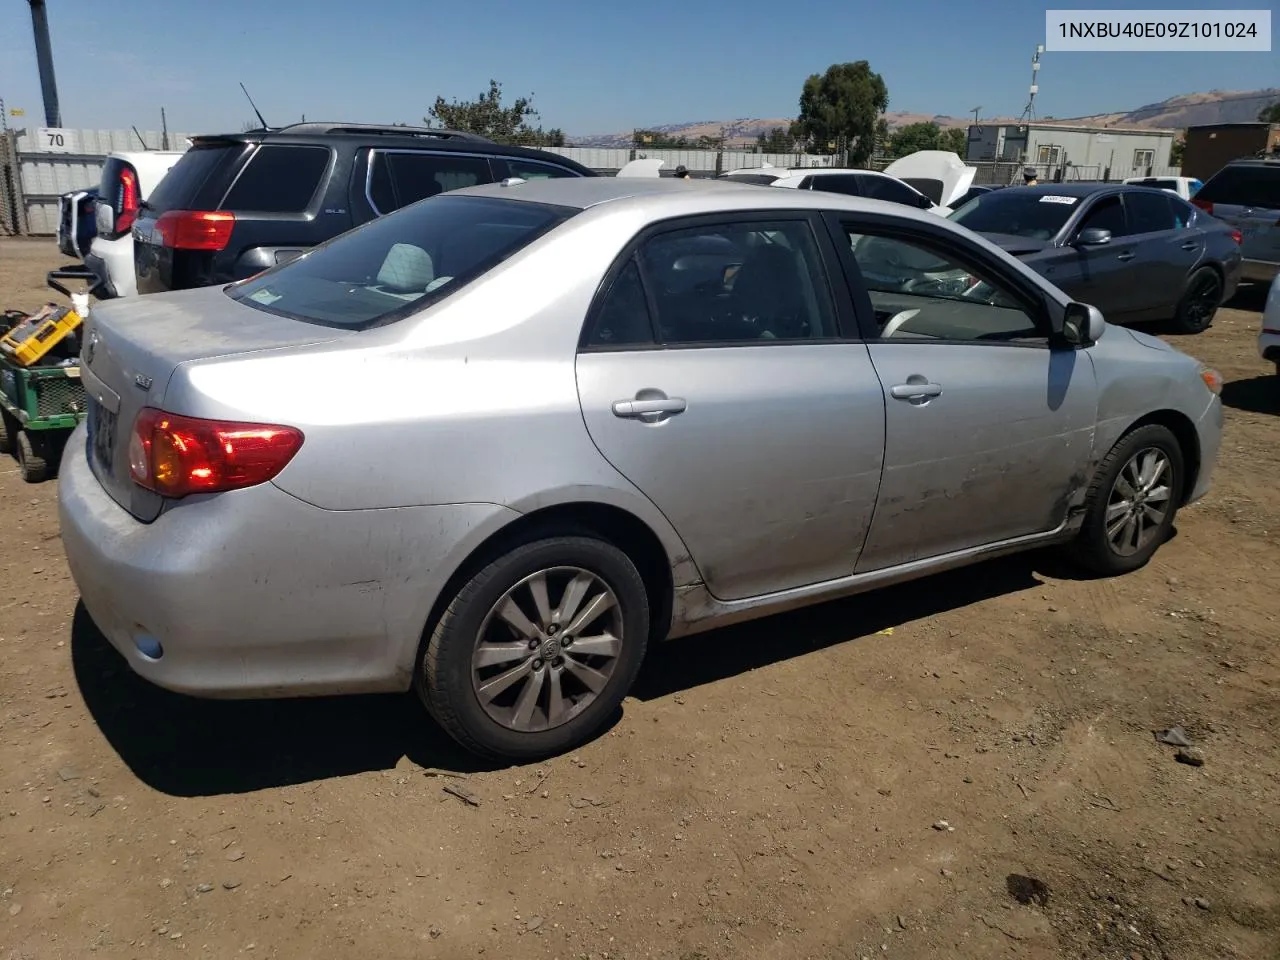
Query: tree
[
  {"x": 777, "y": 140},
  {"x": 1176, "y": 150},
  {"x": 1270, "y": 114},
  {"x": 955, "y": 140},
  {"x": 839, "y": 109},
  {"x": 487, "y": 116},
  {"x": 657, "y": 140}
]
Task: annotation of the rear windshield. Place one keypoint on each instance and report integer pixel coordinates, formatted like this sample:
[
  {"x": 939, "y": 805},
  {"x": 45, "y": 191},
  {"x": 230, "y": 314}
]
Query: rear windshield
[
  {"x": 1245, "y": 186},
  {"x": 1034, "y": 215},
  {"x": 180, "y": 188},
  {"x": 399, "y": 263}
]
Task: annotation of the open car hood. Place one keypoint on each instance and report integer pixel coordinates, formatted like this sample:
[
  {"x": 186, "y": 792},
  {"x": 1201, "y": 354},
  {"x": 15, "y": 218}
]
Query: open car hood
[
  {"x": 939, "y": 174},
  {"x": 641, "y": 168}
]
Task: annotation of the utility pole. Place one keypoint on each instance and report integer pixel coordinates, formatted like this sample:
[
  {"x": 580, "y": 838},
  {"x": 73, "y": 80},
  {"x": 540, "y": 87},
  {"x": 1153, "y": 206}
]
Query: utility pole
[
  {"x": 164, "y": 131},
  {"x": 974, "y": 111},
  {"x": 44, "y": 60}
]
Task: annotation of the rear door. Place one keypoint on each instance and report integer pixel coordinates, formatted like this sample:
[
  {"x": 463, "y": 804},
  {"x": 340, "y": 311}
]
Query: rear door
[
  {"x": 1248, "y": 197},
  {"x": 726, "y": 393}
]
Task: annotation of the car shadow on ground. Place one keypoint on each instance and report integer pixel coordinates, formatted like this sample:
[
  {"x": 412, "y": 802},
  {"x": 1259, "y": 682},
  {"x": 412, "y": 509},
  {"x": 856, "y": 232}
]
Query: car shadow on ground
[
  {"x": 1255, "y": 395},
  {"x": 183, "y": 746}
]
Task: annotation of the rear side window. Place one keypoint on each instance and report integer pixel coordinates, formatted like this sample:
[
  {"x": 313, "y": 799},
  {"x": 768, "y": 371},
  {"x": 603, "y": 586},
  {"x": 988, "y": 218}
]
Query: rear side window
[
  {"x": 837, "y": 183},
  {"x": 529, "y": 169},
  {"x": 1107, "y": 214},
  {"x": 1245, "y": 186},
  {"x": 397, "y": 264},
  {"x": 399, "y": 179},
  {"x": 1148, "y": 212},
  {"x": 181, "y": 187},
  {"x": 930, "y": 188},
  {"x": 279, "y": 179},
  {"x": 887, "y": 188}
]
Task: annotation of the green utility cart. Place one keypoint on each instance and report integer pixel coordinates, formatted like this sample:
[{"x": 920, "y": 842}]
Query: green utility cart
[{"x": 39, "y": 407}]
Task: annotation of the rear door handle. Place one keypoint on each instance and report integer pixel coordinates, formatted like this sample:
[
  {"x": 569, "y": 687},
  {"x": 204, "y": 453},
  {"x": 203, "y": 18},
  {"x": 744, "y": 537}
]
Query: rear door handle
[
  {"x": 632, "y": 409},
  {"x": 1127, "y": 255},
  {"x": 915, "y": 391}
]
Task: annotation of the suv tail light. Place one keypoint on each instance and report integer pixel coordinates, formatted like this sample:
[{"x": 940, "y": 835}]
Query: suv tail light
[
  {"x": 175, "y": 456},
  {"x": 195, "y": 229},
  {"x": 1205, "y": 205},
  {"x": 126, "y": 204},
  {"x": 1238, "y": 237}
]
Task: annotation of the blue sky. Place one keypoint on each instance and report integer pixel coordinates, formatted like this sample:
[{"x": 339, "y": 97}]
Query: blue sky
[{"x": 592, "y": 67}]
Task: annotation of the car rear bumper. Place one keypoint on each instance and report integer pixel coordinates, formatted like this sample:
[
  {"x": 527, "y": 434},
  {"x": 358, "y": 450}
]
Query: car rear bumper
[
  {"x": 112, "y": 262},
  {"x": 1259, "y": 271},
  {"x": 258, "y": 594}
]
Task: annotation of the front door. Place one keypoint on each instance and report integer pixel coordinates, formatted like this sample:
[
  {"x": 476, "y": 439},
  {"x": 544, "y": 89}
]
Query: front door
[
  {"x": 1098, "y": 275},
  {"x": 713, "y": 376},
  {"x": 988, "y": 430}
]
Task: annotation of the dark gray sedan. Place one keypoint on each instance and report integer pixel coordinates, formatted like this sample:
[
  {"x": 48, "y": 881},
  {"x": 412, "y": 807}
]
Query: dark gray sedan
[{"x": 1135, "y": 253}]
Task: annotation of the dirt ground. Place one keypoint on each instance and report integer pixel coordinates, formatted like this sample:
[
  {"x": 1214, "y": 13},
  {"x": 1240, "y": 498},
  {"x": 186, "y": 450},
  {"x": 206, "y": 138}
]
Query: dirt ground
[{"x": 856, "y": 780}]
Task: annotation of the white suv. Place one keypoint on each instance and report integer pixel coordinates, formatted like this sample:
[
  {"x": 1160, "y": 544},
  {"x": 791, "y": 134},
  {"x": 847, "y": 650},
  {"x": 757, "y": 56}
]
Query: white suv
[{"x": 127, "y": 180}]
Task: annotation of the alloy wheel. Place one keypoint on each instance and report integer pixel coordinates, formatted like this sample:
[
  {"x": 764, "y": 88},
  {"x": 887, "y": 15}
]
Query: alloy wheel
[
  {"x": 1140, "y": 501},
  {"x": 547, "y": 649},
  {"x": 1204, "y": 300}
]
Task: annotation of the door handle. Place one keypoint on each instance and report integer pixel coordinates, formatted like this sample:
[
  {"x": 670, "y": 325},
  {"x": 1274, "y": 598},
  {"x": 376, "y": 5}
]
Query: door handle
[
  {"x": 1190, "y": 245},
  {"x": 632, "y": 409},
  {"x": 915, "y": 391},
  {"x": 1127, "y": 255}
]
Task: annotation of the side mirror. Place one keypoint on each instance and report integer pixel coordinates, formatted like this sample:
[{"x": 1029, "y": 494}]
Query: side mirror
[
  {"x": 1082, "y": 324},
  {"x": 1093, "y": 237}
]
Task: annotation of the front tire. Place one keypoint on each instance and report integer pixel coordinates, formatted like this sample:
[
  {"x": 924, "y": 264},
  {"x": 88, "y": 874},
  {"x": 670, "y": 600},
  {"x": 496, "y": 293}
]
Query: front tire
[
  {"x": 1132, "y": 501},
  {"x": 1200, "y": 302},
  {"x": 536, "y": 651}
]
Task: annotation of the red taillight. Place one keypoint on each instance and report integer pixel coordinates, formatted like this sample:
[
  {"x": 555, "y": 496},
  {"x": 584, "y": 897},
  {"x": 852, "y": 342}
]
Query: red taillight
[
  {"x": 176, "y": 456},
  {"x": 1204, "y": 205},
  {"x": 195, "y": 229},
  {"x": 1237, "y": 236},
  {"x": 126, "y": 200}
]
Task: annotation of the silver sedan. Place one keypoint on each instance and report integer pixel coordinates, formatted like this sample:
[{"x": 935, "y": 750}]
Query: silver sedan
[{"x": 494, "y": 445}]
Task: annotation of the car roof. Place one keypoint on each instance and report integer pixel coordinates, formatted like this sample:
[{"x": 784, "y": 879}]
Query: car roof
[{"x": 663, "y": 198}]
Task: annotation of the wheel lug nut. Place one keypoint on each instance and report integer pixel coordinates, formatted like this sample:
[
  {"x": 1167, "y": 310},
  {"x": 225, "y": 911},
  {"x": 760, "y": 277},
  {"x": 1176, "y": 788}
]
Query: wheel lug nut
[
  {"x": 537, "y": 664},
  {"x": 533, "y": 644}
]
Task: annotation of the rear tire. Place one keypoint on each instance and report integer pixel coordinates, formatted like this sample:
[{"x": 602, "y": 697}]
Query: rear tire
[
  {"x": 500, "y": 685},
  {"x": 35, "y": 469},
  {"x": 8, "y": 429},
  {"x": 1132, "y": 502},
  {"x": 1199, "y": 302}
]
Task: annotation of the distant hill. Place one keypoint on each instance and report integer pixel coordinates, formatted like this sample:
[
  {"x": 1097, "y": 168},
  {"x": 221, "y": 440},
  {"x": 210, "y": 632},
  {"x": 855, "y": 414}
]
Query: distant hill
[{"x": 1216, "y": 106}]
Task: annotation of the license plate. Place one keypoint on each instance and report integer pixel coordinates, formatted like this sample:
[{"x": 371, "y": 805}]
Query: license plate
[{"x": 102, "y": 435}]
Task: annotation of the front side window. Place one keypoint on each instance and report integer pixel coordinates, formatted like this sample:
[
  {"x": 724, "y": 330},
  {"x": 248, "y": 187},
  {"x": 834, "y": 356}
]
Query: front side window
[
  {"x": 920, "y": 290},
  {"x": 751, "y": 282},
  {"x": 1106, "y": 214},
  {"x": 394, "y": 265}
]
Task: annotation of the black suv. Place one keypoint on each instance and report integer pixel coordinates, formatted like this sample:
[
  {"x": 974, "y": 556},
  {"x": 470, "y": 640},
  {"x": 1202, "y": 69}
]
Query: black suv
[{"x": 237, "y": 204}]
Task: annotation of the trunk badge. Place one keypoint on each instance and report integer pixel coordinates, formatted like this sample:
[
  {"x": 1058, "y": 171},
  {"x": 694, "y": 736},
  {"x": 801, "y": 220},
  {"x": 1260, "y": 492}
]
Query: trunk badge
[{"x": 143, "y": 382}]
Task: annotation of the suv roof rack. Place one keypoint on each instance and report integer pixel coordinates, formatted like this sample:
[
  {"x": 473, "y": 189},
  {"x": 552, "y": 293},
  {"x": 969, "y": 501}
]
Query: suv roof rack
[{"x": 438, "y": 133}]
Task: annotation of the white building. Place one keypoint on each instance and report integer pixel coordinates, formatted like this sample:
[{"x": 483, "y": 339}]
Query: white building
[{"x": 1054, "y": 147}]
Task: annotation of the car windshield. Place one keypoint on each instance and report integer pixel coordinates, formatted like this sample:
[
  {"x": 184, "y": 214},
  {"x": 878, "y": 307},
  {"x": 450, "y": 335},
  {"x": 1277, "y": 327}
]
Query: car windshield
[
  {"x": 1034, "y": 215},
  {"x": 401, "y": 262}
]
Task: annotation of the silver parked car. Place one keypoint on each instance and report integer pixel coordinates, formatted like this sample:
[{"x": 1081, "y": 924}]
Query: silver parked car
[{"x": 494, "y": 444}]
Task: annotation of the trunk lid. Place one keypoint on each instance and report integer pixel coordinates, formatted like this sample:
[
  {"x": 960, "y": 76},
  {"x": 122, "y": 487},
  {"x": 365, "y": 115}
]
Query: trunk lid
[{"x": 132, "y": 348}]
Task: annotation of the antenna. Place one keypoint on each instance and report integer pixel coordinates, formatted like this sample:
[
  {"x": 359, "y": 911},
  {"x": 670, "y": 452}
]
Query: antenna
[
  {"x": 1029, "y": 111},
  {"x": 255, "y": 108}
]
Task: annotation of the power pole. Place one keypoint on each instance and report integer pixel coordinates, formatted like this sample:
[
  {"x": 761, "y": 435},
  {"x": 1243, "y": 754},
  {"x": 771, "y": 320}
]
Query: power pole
[{"x": 44, "y": 60}]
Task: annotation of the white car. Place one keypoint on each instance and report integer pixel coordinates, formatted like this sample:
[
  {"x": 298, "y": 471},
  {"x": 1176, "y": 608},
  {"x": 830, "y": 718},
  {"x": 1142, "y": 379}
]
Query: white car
[
  {"x": 927, "y": 180},
  {"x": 127, "y": 181},
  {"x": 1269, "y": 337},
  {"x": 1185, "y": 187}
]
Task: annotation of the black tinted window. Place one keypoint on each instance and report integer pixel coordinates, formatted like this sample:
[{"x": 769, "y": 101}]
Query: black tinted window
[
  {"x": 531, "y": 169},
  {"x": 845, "y": 183},
  {"x": 930, "y": 188},
  {"x": 278, "y": 179},
  {"x": 1148, "y": 212},
  {"x": 401, "y": 262},
  {"x": 1017, "y": 212},
  {"x": 887, "y": 188},
  {"x": 1245, "y": 185},
  {"x": 1184, "y": 214},
  {"x": 1106, "y": 214},
  {"x": 623, "y": 317},
  {"x": 411, "y": 177},
  {"x": 738, "y": 282},
  {"x": 180, "y": 188}
]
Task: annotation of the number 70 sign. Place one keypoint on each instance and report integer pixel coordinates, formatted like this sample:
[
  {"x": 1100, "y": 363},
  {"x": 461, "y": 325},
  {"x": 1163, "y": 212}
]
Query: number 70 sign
[{"x": 57, "y": 140}]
